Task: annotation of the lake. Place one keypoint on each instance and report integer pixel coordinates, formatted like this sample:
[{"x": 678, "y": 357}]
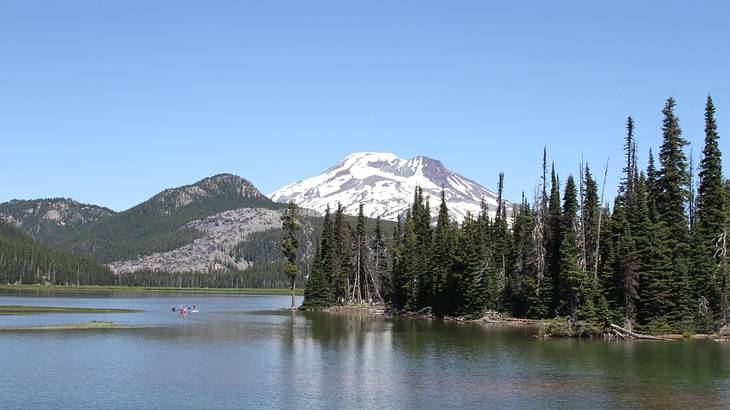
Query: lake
[{"x": 246, "y": 352}]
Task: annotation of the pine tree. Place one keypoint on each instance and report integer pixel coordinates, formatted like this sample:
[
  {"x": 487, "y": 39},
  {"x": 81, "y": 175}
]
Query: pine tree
[
  {"x": 501, "y": 246},
  {"x": 397, "y": 295},
  {"x": 652, "y": 188},
  {"x": 542, "y": 295},
  {"x": 475, "y": 268},
  {"x": 342, "y": 256},
  {"x": 671, "y": 207},
  {"x": 641, "y": 251},
  {"x": 491, "y": 279},
  {"x": 381, "y": 278},
  {"x": 421, "y": 214},
  {"x": 571, "y": 277},
  {"x": 442, "y": 261},
  {"x": 711, "y": 222},
  {"x": 523, "y": 286},
  {"x": 362, "y": 284},
  {"x": 554, "y": 239},
  {"x": 409, "y": 265},
  {"x": 330, "y": 257},
  {"x": 317, "y": 292},
  {"x": 290, "y": 244},
  {"x": 590, "y": 211}
]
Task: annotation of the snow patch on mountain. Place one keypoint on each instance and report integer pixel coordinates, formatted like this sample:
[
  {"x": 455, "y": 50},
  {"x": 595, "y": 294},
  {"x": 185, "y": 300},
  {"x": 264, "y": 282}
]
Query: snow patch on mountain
[{"x": 385, "y": 184}]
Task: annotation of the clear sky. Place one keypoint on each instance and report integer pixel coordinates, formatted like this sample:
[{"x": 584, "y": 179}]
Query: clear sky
[{"x": 110, "y": 102}]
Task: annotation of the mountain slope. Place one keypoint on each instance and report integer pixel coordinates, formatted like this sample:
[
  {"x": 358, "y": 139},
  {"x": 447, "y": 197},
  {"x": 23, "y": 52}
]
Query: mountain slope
[
  {"x": 213, "y": 250},
  {"x": 160, "y": 223},
  {"x": 49, "y": 220},
  {"x": 385, "y": 184},
  {"x": 24, "y": 260}
]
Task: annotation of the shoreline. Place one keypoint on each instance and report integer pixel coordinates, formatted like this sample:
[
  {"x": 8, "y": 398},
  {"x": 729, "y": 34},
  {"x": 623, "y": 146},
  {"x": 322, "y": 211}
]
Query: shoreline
[
  {"x": 92, "y": 325},
  {"x": 149, "y": 289},
  {"x": 495, "y": 318}
]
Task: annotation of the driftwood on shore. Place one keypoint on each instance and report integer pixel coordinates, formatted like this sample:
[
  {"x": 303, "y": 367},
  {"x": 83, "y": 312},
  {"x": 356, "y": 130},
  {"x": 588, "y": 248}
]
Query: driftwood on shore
[
  {"x": 497, "y": 318},
  {"x": 624, "y": 333}
]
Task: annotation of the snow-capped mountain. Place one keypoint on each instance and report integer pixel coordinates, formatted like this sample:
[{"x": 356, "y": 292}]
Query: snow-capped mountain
[{"x": 385, "y": 184}]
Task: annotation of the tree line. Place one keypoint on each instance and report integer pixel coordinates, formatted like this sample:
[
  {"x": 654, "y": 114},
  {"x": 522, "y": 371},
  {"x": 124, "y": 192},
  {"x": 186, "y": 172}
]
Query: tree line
[
  {"x": 654, "y": 261},
  {"x": 23, "y": 260}
]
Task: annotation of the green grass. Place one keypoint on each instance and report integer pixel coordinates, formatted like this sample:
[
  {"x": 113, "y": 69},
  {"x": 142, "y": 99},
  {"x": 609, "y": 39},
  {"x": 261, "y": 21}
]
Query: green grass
[
  {"x": 238, "y": 291},
  {"x": 93, "y": 325},
  {"x": 30, "y": 310}
]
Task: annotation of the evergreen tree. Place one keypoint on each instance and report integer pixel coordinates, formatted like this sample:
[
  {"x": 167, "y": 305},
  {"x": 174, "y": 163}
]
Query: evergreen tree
[
  {"x": 501, "y": 246},
  {"x": 381, "y": 278},
  {"x": 331, "y": 258},
  {"x": 523, "y": 286},
  {"x": 571, "y": 276},
  {"x": 542, "y": 292},
  {"x": 641, "y": 251},
  {"x": 362, "y": 284},
  {"x": 317, "y": 292},
  {"x": 421, "y": 213},
  {"x": 290, "y": 244},
  {"x": 652, "y": 188},
  {"x": 472, "y": 283},
  {"x": 711, "y": 223},
  {"x": 342, "y": 255},
  {"x": 442, "y": 261},
  {"x": 671, "y": 211},
  {"x": 590, "y": 211},
  {"x": 554, "y": 239},
  {"x": 409, "y": 264}
]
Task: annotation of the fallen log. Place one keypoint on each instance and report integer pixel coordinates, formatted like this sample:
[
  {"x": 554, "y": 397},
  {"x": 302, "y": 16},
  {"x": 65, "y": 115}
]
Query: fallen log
[
  {"x": 671, "y": 336},
  {"x": 633, "y": 334},
  {"x": 619, "y": 334},
  {"x": 426, "y": 309}
]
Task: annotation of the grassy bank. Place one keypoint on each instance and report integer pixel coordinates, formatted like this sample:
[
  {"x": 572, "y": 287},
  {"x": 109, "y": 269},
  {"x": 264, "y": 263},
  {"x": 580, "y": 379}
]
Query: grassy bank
[
  {"x": 63, "y": 288},
  {"x": 30, "y": 310},
  {"x": 93, "y": 325}
]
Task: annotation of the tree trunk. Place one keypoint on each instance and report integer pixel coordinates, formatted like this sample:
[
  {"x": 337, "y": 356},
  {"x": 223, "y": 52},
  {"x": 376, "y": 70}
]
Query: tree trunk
[
  {"x": 632, "y": 334},
  {"x": 293, "y": 291}
]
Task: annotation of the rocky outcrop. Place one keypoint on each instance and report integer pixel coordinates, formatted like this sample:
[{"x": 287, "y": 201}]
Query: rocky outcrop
[{"x": 214, "y": 251}]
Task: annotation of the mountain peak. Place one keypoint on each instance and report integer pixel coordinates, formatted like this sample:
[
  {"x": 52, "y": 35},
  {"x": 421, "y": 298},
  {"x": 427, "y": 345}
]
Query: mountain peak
[
  {"x": 384, "y": 184},
  {"x": 225, "y": 187}
]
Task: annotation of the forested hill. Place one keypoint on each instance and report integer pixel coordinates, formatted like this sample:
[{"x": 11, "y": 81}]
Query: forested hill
[
  {"x": 24, "y": 260},
  {"x": 159, "y": 224},
  {"x": 50, "y": 220}
]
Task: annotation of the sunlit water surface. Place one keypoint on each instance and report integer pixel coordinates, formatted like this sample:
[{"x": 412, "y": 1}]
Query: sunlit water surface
[{"x": 245, "y": 351}]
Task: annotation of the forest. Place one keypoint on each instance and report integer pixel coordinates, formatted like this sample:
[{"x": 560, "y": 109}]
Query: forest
[
  {"x": 23, "y": 260},
  {"x": 654, "y": 259}
]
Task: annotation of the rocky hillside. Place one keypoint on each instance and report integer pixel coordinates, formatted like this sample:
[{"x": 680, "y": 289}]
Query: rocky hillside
[
  {"x": 161, "y": 223},
  {"x": 214, "y": 250},
  {"x": 385, "y": 184},
  {"x": 49, "y": 220}
]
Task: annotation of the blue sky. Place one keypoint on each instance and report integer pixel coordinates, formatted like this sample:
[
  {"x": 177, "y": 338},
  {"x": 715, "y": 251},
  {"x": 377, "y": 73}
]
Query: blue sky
[{"x": 111, "y": 102}]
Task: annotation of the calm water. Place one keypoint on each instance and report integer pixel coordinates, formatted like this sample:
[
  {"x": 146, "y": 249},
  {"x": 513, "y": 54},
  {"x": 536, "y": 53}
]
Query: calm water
[{"x": 243, "y": 351}]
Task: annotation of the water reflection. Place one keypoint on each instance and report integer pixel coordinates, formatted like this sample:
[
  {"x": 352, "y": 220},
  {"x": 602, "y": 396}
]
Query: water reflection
[{"x": 247, "y": 352}]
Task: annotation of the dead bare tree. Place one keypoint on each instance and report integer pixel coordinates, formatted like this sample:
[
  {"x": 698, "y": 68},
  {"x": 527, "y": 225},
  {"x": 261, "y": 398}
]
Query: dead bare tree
[
  {"x": 721, "y": 257},
  {"x": 600, "y": 223}
]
